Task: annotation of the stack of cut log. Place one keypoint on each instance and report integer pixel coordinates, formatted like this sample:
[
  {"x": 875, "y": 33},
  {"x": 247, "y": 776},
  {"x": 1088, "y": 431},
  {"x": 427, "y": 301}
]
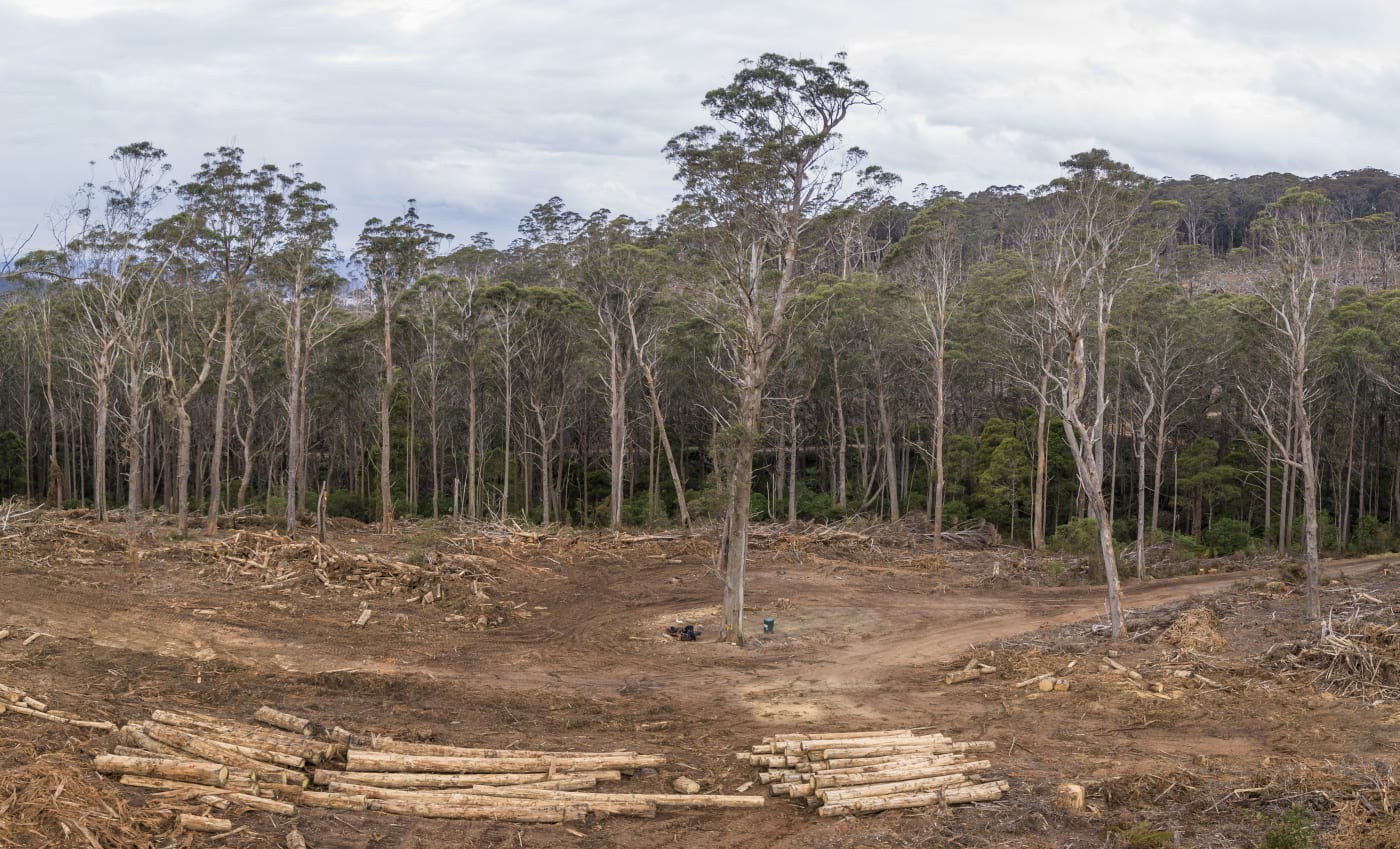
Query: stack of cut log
[
  {"x": 221, "y": 764},
  {"x": 861, "y": 771},
  {"x": 429, "y": 780},
  {"x": 16, "y": 701}
]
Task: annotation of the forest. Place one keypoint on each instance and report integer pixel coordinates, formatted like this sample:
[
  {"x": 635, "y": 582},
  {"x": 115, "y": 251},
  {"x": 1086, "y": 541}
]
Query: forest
[{"x": 1191, "y": 361}]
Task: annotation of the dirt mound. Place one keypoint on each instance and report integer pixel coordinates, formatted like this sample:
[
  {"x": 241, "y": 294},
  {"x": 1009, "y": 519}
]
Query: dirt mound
[
  {"x": 54, "y": 801},
  {"x": 1194, "y": 630}
]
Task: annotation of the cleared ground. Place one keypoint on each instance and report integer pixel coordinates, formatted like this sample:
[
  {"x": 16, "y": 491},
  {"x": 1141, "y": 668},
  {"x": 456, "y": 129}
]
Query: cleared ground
[{"x": 557, "y": 641}]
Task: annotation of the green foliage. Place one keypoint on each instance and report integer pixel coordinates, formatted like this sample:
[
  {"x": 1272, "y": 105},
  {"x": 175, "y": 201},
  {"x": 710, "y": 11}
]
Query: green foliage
[
  {"x": 1077, "y": 536},
  {"x": 1295, "y": 828},
  {"x": 11, "y": 464},
  {"x": 1226, "y": 536},
  {"x": 1371, "y": 536}
]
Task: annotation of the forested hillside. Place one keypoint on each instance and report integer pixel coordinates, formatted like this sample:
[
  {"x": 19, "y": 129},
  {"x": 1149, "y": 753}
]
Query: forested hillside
[{"x": 1201, "y": 345}]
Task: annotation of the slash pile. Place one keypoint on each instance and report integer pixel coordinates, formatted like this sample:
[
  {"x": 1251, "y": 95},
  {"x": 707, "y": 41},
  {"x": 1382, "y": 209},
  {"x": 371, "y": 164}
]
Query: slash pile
[{"x": 863, "y": 771}]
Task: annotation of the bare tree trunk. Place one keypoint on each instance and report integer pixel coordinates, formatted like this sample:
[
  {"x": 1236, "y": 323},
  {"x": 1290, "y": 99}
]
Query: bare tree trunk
[
  {"x": 653, "y": 395},
  {"x": 738, "y": 489},
  {"x": 1308, "y": 469},
  {"x": 386, "y": 397},
  {"x": 473, "y": 439},
  {"x": 939, "y": 423},
  {"x": 101, "y": 405},
  {"x": 618, "y": 372},
  {"x": 841, "y": 446},
  {"x": 792, "y": 465},
  {"x": 220, "y": 408},
  {"x": 295, "y": 390},
  {"x": 1040, "y": 495},
  {"x": 1141, "y": 435},
  {"x": 887, "y": 442}
]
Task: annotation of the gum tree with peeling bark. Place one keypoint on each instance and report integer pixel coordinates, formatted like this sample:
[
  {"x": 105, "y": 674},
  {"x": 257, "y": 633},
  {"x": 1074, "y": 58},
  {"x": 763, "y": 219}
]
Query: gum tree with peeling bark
[{"x": 751, "y": 188}]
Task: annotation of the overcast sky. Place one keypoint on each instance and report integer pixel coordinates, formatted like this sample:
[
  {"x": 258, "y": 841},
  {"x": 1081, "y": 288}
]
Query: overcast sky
[{"x": 481, "y": 109}]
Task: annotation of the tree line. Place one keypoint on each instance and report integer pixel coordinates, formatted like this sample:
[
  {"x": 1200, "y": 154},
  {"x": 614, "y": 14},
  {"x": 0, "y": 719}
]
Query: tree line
[{"x": 1106, "y": 360}]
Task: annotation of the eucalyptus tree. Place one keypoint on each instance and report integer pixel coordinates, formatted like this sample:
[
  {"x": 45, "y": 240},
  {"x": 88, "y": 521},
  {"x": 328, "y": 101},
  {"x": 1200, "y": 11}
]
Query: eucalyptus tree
[
  {"x": 1095, "y": 232},
  {"x": 392, "y": 257},
  {"x": 302, "y": 275},
  {"x": 753, "y": 187},
  {"x": 118, "y": 277},
  {"x": 1302, "y": 235},
  {"x": 931, "y": 261},
  {"x": 238, "y": 213},
  {"x": 469, "y": 268},
  {"x": 613, "y": 275},
  {"x": 186, "y": 330}
]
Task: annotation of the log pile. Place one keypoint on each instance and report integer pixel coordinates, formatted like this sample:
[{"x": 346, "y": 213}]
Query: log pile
[
  {"x": 503, "y": 784},
  {"x": 221, "y": 765},
  {"x": 866, "y": 771},
  {"x": 208, "y": 764},
  {"x": 15, "y": 701}
]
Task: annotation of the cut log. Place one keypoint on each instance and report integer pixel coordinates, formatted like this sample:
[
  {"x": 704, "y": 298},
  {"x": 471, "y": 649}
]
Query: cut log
[
  {"x": 359, "y": 760},
  {"x": 335, "y": 801},
  {"x": 100, "y": 725},
  {"x": 826, "y": 781},
  {"x": 196, "y": 772},
  {"x": 683, "y": 784},
  {"x": 894, "y": 788},
  {"x": 133, "y": 736},
  {"x": 429, "y": 780},
  {"x": 179, "y": 738},
  {"x": 597, "y": 803},
  {"x": 987, "y": 792},
  {"x": 283, "y": 720},
  {"x": 511, "y": 813},
  {"x": 1070, "y": 797},
  {"x": 962, "y": 675},
  {"x": 236, "y": 732},
  {"x": 209, "y": 825},
  {"x": 847, "y": 742},
  {"x": 223, "y": 753},
  {"x": 384, "y": 744},
  {"x": 932, "y": 748}
]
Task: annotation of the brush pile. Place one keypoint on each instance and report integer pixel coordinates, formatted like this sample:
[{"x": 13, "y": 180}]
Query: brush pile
[{"x": 865, "y": 771}]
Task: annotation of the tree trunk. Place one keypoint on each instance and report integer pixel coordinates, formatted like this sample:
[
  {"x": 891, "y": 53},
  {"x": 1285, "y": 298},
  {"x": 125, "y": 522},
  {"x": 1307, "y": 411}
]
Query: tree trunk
[
  {"x": 101, "y": 406},
  {"x": 386, "y": 398},
  {"x": 617, "y": 424},
  {"x": 220, "y": 408},
  {"x": 939, "y": 418},
  {"x": 295, "y": 390},
  {"x": 182, "y": 467},
  {"x": 792, "y": 465},
  {"x": 841, "y": 446},
  {"x": 738, "y": 488},
  {"x": 1142, "y": 501},
  {"x": 887, "y": 443},
  {"x": 1039, "y": 496}
]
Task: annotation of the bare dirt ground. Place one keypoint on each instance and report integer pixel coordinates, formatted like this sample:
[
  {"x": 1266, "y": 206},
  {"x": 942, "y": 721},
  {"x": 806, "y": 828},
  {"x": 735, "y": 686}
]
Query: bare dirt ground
[{"x": 557, "y": 641}]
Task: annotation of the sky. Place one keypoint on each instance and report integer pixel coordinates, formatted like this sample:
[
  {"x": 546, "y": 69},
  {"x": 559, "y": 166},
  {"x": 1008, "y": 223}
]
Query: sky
[{"x": 481, "y": 109}]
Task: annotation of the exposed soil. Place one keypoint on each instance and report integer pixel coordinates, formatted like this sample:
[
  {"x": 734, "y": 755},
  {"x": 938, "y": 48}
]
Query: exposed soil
[{"x": 559, "y": 642}]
